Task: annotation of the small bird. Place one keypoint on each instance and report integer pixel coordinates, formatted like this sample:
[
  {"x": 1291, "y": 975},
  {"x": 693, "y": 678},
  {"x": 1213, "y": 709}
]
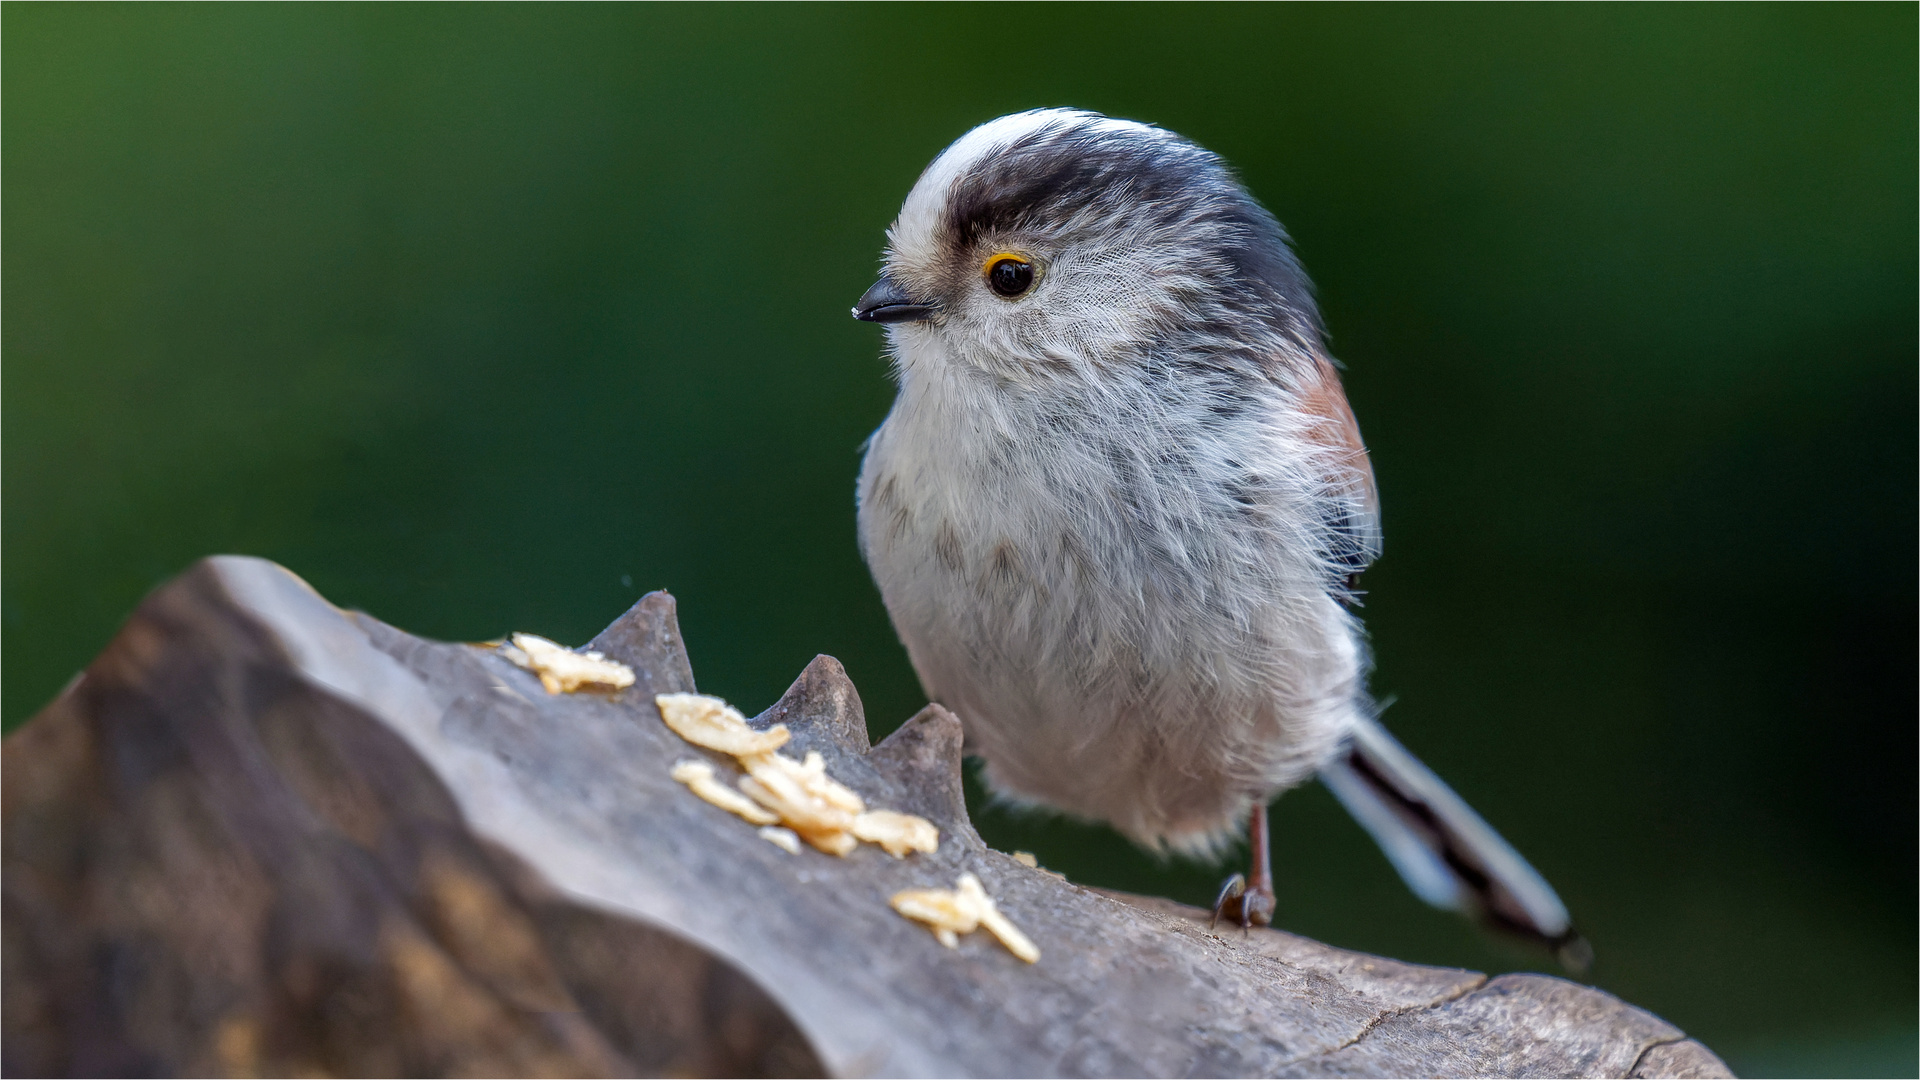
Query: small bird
[{"x": 1120, "y": 506}]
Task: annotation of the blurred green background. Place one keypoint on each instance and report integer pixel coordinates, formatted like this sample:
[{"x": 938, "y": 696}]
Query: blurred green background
[{"x": 492, "y": 318}]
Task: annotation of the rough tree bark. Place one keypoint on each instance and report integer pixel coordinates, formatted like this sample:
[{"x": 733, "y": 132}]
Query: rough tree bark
[{"x": 263, "y": 835}]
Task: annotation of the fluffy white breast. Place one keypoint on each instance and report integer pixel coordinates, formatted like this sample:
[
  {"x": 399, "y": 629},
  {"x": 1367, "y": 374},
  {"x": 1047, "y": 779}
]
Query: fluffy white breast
[{"x": 1121, "y": 639}]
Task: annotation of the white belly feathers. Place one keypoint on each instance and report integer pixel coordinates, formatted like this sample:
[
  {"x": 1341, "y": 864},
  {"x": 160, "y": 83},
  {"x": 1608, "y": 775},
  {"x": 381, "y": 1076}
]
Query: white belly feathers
[{"x": 1120, "y": 625}]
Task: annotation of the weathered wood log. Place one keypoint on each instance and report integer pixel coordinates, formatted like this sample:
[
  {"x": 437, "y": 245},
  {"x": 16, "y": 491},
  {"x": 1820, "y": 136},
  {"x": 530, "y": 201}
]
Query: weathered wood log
[{"x": 263, "y": 835}]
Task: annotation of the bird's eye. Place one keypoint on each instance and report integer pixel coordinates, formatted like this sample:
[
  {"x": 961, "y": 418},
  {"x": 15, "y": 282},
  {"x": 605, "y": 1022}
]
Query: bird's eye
[{"x": 1009, "y": 276}]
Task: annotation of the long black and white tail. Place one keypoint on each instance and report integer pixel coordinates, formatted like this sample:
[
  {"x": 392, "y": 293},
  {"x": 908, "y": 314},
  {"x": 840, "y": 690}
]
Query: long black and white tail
[{"x": 1448, "y": 855}]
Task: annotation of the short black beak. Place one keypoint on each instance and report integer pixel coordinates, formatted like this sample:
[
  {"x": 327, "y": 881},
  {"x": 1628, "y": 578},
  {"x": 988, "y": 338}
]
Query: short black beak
[{"x": 887, "y": 302}]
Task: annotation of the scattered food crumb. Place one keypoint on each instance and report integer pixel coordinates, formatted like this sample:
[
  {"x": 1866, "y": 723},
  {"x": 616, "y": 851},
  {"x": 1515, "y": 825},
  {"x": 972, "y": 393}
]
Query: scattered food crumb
[
  {"x": 806, "y": 780},
  {"x": 809, "y": 802},
  {"x": 899, "y": 834},
  {"x": 712, "y": 723},
  {"x": 563, "y": 671},
  {"x": 797, "y": 794},
  {"x": 961, "y": 911},
  {"x": 825, "y": 827},
  {"x": 784, "y": 839},
  {"x": 942, "y": 910},
  {"x": 1025, "y": 858},
  {"x": 698, "y": 776}
]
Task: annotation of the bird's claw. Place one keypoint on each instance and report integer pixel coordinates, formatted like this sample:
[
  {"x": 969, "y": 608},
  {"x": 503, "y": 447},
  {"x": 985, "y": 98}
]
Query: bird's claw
[
  {"x": 1235, "y": 887},
  {"x": 1239, "y": 904}
]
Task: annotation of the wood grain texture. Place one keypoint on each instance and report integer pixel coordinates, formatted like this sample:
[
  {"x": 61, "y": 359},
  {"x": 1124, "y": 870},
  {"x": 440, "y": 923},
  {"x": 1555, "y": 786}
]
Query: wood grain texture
[{"x": 262, "y": 835}]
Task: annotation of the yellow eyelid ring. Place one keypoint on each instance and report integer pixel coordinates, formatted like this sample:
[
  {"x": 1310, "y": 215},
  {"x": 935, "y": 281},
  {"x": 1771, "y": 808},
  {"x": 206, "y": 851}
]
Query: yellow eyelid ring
[{"x": 987, "y": 267}]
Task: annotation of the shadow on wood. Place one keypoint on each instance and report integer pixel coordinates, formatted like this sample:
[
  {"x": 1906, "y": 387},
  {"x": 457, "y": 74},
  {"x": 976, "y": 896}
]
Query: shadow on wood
[{"x": 262, "y": 835}]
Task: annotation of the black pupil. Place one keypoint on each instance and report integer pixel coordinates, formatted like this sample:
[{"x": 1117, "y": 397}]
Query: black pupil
[{"x": 1010, "y": 277}]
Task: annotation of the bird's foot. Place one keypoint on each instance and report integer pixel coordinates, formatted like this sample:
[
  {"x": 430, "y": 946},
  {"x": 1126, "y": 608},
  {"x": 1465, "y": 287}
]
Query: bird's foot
[{"x": 1248, "y": 907}]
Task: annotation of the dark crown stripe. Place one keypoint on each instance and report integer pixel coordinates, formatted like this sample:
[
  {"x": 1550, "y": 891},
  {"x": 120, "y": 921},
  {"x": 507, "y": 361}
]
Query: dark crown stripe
[{"x": 1042, "y": 180}]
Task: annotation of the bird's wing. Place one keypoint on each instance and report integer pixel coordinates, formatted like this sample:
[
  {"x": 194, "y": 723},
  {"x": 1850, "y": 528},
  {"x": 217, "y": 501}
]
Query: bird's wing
[{"x": 1352, "y": 515}]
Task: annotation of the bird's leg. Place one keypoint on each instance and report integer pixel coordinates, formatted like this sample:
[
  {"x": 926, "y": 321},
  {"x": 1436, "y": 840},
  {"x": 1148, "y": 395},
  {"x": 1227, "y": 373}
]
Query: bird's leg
[{"x": 1248, "y": 900}]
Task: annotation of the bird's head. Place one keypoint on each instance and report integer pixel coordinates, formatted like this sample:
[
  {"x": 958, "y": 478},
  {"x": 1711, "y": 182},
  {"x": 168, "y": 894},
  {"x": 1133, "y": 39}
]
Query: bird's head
[{"x": 1056, "y": 241}]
